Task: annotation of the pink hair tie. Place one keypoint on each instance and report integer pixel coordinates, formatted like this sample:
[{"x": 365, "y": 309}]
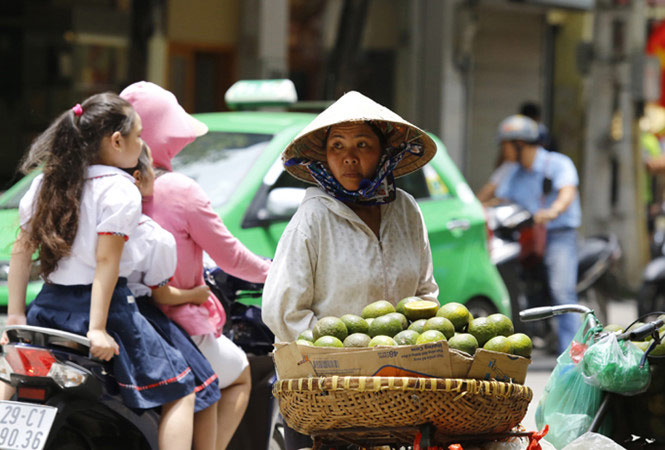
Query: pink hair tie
[{"x": 78, "y": 110}]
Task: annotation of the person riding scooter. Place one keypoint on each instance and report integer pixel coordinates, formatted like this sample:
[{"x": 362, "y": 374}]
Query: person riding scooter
[{"x": 545, "y": 183}]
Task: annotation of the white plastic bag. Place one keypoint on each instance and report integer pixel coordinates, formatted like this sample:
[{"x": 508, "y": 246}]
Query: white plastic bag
[{"x": 593, "y": 441}]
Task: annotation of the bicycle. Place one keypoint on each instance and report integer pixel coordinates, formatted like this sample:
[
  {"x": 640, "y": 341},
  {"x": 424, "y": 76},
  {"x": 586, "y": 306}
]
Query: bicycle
[
  {"x": 417, "y": 437},
  {"x": 612, "y": 404}
]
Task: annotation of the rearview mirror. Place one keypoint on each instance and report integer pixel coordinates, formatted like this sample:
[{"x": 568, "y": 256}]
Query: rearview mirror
[{"x": 282, "y": 203}]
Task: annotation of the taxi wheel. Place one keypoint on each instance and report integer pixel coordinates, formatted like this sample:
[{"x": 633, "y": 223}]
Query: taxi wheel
[{"x": 481, "y": 307}]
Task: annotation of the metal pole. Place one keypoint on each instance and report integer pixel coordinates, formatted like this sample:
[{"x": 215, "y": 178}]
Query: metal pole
[{"x": 609, "y": 176}]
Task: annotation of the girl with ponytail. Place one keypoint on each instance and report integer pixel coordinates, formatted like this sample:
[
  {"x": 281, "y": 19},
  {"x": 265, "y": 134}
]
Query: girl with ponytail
[{"x": 77, "y": 216}]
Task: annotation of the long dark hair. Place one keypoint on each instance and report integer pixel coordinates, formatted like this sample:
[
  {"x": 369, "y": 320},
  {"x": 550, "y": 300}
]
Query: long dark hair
[{"x": 68, "y": 146}]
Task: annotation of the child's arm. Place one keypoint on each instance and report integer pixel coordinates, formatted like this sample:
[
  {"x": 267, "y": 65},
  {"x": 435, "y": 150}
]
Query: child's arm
[
  {"x": 109, "y": 251},
  {"x": 20, "y": 265},
  {"x": 169, "y": 295}
]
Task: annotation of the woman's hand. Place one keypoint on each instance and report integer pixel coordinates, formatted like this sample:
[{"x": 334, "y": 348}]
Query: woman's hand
[
  {"x": 12, "y": 319},
  {"x": 200, "y": 294},
  {"x": 102, "y": 345}
]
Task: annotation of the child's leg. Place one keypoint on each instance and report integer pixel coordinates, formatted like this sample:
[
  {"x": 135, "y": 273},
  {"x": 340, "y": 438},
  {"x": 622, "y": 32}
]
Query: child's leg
[
  {"x": 231, "y": 408},
  {"x": 235, "y": 380},
  {"x": 6, "y": 391},
  {"x": 205, "y": 428},
  {"x": 177, "y": 423}
]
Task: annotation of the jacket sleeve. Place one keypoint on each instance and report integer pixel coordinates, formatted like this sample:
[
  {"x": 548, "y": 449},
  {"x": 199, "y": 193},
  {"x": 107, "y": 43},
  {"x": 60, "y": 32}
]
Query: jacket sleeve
[
  {"x": 289, "y": 289},
  {"x": 209, "y": 232}
]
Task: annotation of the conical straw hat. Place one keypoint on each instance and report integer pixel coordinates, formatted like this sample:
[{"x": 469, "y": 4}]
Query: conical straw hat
[{"x": 355, "y": 107}]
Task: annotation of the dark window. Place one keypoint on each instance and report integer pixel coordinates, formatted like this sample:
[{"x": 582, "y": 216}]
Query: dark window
[{"x": 414, "y": 183}]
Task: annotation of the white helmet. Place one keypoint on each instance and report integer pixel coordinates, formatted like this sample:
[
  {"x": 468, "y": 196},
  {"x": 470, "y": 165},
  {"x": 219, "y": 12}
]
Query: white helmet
[{"x": 518, "y": 128}]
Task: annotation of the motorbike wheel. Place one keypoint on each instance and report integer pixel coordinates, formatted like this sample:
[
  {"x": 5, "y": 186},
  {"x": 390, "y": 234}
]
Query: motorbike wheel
[
  {"x": 481, "y": 307},
  {"x": 69, "y": 439},
  {"x": 277, "y": 439},
  {"x": 651, "y": 297}
]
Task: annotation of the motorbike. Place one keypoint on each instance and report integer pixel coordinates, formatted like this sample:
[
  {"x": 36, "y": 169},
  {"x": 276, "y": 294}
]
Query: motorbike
[
  {"x": 262, "y": 426},
  {"x": 598, "y": 262},
  {"x": 633, "y": 422},
  {"x": 651, "y": 295},
  {"x": 64, "y": 398}
]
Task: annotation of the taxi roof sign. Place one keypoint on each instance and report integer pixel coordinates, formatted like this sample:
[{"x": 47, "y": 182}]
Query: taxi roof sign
[{"x": 248, "y": 94}]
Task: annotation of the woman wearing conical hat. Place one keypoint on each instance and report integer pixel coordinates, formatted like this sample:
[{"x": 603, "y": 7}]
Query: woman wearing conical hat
[{"x": 355, "y": 238}]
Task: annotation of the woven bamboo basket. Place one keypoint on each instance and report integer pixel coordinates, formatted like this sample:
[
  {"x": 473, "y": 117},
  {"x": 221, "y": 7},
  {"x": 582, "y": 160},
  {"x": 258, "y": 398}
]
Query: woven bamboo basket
[{"x": 454, "y": 406}]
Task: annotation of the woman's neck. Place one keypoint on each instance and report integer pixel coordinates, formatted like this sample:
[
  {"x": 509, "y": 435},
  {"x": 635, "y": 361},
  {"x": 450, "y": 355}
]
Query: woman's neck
[{"x": 370, "y": 214}]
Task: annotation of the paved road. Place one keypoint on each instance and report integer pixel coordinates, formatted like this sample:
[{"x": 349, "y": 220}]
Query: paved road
[{"x": 621, "y": 313}]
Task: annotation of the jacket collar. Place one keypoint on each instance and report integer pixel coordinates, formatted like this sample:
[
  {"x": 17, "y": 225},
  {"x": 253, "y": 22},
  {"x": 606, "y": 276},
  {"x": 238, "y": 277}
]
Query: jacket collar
[{"x": 340, "y": 208}]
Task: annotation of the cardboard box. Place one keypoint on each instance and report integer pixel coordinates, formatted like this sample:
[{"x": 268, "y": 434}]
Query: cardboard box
[
  {"x": 428, "y": 360},
  {"x": 489, "y": 365}
]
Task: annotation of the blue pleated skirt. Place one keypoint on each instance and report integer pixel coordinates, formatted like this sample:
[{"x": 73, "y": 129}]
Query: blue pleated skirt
[
  {"x": 207, "y": 387},
  {"x": 149, "y": 370}
]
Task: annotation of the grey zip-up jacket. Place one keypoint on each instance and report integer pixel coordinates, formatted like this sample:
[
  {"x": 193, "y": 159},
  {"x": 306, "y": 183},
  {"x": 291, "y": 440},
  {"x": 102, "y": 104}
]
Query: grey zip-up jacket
[{"x": 329, "y": 263}]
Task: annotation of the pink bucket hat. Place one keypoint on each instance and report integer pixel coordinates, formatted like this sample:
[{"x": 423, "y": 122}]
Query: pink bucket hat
[{"x": 167, "y": 127}]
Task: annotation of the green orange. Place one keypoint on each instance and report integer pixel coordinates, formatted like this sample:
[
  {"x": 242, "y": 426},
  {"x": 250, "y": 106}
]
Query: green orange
[{"x": 457, "y": 313}]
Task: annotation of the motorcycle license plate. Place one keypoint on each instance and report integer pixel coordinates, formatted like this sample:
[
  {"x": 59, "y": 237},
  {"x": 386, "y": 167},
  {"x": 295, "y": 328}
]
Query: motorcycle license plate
[{"x": 25, "y": 425}]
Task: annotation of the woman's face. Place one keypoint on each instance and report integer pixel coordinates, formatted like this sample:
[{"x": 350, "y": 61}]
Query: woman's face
[
  {"x": 353, "y": 151},
  {"x": 145, "y": 180}
]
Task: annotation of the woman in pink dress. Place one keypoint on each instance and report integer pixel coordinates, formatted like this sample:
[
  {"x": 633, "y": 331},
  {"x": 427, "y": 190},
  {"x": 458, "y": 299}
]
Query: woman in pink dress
[{"x": 181, "y": 207}]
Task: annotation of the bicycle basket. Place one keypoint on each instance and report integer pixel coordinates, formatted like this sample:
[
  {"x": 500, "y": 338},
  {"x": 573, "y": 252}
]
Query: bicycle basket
[{"x": 454, "y": 406}]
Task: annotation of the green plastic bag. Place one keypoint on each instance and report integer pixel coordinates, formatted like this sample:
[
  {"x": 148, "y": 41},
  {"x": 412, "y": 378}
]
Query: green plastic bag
[
  {"x": 569, "y": 403},
  {"x": 614, "y": 366}
]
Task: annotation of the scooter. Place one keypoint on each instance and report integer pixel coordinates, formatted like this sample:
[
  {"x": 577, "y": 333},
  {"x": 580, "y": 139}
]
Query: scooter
[
  {"x": 651, "y": 295},
  {"x": 598, "y": 260},
  {"x": 64, "y": 398},
  {"x": 262, "y": 426}
]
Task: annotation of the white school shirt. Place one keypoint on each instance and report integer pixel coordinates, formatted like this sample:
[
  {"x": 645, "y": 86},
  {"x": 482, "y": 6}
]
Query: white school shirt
[
  {"x": 110, "y": 204},
  {"x": 329, "y": 263},
  {"x": 155, "y": 257}
]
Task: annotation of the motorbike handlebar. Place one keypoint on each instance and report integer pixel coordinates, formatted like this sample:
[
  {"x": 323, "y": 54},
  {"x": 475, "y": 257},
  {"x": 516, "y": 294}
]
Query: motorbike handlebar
[
  {"x": 545, "y": 312},
  {"x": 642, "y": 331},
  {"x": 539, "y": 313}
]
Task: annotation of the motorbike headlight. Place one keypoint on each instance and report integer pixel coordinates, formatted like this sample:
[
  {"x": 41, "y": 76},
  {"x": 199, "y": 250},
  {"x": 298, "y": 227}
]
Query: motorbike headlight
[{"x": 67, "y": 376}]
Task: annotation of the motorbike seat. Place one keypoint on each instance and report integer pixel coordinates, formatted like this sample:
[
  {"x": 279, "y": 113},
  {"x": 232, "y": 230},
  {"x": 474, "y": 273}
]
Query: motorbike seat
[
  {"x": 47, "y": 337},
  {"x": 589, "y": 251}
]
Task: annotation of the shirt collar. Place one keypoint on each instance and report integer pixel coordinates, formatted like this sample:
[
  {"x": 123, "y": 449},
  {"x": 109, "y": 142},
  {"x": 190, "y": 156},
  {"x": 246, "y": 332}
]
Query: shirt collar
[{"x": 100, "y": 170}]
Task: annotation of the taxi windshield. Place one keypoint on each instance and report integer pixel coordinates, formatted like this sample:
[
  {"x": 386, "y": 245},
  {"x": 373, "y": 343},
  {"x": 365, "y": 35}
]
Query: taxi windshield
[{"x": 219, "y": 161}]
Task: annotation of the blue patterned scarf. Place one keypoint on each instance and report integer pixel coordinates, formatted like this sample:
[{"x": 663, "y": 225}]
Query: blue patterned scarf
[{"x": 376, "y": 191}]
